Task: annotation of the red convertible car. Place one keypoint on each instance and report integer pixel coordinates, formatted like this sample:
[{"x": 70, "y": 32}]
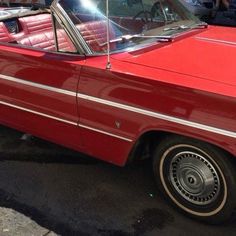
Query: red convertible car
[{"x": 128, "y": 80}]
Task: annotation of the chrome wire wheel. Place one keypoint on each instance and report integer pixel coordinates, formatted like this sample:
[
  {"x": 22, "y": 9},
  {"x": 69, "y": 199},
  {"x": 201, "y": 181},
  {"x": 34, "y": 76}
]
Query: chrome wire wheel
[{"x": 194, "y": 177}]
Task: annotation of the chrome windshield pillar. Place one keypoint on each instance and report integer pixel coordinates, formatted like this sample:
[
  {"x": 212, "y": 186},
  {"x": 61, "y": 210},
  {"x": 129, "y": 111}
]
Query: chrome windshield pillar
[{"x": 74, "y": 34}]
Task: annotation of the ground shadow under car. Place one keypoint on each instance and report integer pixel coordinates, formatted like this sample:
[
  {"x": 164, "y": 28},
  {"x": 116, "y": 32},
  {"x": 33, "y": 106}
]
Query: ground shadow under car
[{"x": 72, "y": 194}]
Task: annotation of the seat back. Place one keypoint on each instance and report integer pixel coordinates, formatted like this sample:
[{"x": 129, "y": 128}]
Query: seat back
[
  {"x": 95, "y": 34},
  {"x": 4, "y": 34},
  {"x": 45, "y": 40},
  {"x": 37, "y": 23}
]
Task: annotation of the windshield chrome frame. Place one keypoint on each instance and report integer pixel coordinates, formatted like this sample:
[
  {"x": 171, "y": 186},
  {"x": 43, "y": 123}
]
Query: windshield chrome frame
[
  {"x": 74, "y": 34},
  {"x": 81, "y": 45}
]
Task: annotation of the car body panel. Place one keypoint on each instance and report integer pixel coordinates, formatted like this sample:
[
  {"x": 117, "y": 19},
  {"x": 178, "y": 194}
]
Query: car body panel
[
  {"x": 207, "y": 45},
  {"x": 105, "y": 129},
  {"x": 140, "y": 89},
  {"x": 43, "y": 84},
  {"x": 77, "y": 101}
]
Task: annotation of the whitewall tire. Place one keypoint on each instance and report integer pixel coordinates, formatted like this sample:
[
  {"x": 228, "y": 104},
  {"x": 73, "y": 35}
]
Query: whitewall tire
[{"x": 197, "y": 178}]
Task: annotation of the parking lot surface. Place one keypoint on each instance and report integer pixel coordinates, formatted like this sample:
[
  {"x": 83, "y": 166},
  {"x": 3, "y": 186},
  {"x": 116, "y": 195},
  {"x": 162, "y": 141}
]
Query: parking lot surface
[{"x": 48, "y": 190}]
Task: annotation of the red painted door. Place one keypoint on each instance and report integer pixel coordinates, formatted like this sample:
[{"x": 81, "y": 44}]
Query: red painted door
[{"x": 38, "y": 93}]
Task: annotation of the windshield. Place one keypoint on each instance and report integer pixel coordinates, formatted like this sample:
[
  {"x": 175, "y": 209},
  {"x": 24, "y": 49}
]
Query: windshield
[{"x": 142, "y": 18}]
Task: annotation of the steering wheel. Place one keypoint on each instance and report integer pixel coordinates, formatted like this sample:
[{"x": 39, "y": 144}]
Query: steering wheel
[
  {"x": 157, "y": 11},
  {"x": 163, "y": 12},
  {"x": 146, "y": 16}
]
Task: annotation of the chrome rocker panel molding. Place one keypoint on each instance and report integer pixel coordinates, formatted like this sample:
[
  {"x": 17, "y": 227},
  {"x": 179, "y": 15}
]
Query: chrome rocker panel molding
[
  {"x": 64, "y": 121},
  {"x": 160, "y": 116},
  {"x": 216, "y": 40}
]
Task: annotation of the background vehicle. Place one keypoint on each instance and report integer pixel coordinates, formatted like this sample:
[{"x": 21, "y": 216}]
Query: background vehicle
[
  {"x": 225, "y": 17},
  {"x": 200, "y": 8},
  {"x": 8, "y": 7},
  {"x": 17, "y": 3},
  {"x": 6, "y": 12}
]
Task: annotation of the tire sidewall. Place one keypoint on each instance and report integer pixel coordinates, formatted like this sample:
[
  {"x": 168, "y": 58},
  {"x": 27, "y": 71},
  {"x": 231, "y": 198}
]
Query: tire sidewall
[{"x": 217, "y": 157}]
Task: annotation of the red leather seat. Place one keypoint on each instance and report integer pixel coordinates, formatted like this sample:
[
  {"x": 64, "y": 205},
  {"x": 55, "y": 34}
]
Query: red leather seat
[
  {"x": 45, "y": 40},
  {"x": 4, "y": 34},
  {"x": 95, "y": 34},
  {"x": 37, "y": 23}
]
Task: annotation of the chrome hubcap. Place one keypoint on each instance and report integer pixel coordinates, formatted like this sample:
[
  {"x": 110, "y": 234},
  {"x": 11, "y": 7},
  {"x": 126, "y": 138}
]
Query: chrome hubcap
[{"x": 194, "y": 178}]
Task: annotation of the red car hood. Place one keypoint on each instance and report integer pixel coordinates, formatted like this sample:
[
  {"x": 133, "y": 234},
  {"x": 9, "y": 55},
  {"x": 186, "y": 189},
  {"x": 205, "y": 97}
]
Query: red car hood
[{"x": 209, "y": 55}]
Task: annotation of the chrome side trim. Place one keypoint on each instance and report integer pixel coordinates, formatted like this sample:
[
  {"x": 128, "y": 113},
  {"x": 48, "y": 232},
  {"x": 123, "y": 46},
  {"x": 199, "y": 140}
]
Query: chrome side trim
[
  {"x": 36, "y": 85},
  {"x": 216, "y": 40},
  {"x": 159, "y": 116},
  {"x": 63, "y": 120},
  {"x": 38, "y": 113},
  {"x": 53, "y": 89},
  {"x": 112, "y": 104},
  {"x": 106, "y": 133}
]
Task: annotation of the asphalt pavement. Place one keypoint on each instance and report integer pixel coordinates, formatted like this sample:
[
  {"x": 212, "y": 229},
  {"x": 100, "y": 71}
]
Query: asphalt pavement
[{"x": 48, "y": 190}]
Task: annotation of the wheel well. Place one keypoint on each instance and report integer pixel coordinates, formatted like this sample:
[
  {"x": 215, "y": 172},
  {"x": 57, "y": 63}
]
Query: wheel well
[{"x": 145, "y": 145}]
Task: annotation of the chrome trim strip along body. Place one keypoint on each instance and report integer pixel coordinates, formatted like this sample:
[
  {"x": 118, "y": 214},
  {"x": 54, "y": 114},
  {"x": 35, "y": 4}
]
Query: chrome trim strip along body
[
  {"x": 106, "y": 133},
  {"x": 64, "y": 121},
  {"x": 217, "y": 40},
  {"x": 111, "y": 104},
  {"x": 159, "y": 116},
  {"x": 52, "y": 89},
  {"x": 38, "y": 113},
  {"x": 36, "y": 85}
]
